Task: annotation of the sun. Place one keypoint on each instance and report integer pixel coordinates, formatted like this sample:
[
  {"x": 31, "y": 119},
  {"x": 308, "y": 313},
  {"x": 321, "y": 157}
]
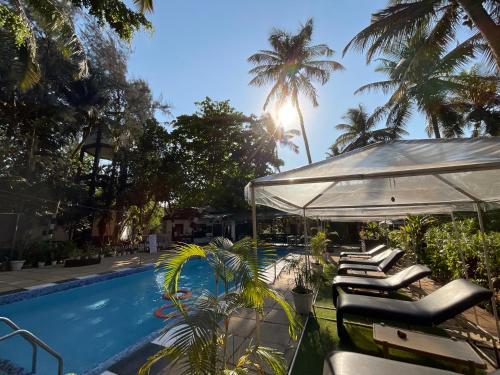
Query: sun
[{"x": 286, "y": 115}]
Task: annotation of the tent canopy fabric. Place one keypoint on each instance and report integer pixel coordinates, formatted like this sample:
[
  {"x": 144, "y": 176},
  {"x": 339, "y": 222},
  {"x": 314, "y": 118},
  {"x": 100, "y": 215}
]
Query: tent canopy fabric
[{"x": 389, "y": 180}]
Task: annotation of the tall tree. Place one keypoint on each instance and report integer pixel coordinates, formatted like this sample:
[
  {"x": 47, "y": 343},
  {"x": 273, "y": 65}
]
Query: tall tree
[
  {"x": 291, "y": 66},
  {"x": 421, "y": 75},
  {"x": 401, "y": 18},
  {"x": 359, "y": 130},
  {"x": 219, "y": 151},
  {"x": 22, "y": 20}
]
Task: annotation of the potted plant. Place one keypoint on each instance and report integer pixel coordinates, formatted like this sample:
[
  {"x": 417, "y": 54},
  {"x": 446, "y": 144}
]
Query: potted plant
[
  {"x": 302, "y": 292},
  {"x": 370, "y": 235},
  {"x": 17, "y": 262},
  {"x": 319, "y": 242}
]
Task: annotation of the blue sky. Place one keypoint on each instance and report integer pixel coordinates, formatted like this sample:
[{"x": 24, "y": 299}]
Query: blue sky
[{"x": 199, "y": 48}]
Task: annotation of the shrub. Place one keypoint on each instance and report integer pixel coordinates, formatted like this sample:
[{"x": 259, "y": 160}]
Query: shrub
[{"x": 443, "y": 251}]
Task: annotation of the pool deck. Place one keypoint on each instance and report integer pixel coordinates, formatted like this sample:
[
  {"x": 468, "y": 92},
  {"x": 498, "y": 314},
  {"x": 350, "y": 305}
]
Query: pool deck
[{"x": 29, "y": 278}]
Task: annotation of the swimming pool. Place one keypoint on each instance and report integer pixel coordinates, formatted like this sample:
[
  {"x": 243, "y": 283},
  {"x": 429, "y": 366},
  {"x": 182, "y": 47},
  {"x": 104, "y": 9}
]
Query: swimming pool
[{"x": 90, "y": 324}]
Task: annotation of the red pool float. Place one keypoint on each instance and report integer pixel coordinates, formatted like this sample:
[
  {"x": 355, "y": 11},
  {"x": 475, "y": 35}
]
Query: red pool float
[{"x": 159, "y": 312}]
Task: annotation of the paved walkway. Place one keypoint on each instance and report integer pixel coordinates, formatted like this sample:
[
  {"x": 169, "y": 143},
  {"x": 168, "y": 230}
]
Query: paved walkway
[{"x": 15, "y": 281}]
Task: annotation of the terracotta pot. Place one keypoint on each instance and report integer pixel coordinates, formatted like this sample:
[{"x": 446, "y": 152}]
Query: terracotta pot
[
  {"x": 16, "y": 265},
  {"x": 303, "y": 302}
]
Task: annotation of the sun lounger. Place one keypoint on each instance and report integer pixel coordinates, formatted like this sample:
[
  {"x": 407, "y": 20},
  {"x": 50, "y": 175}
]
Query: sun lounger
[
  {"x": 373, "y": 261},
  {"x": 349, "y": 363},
  {"x": 439, "y": 306},
  {"x": 372, "y": 252},
  {"x": 383, "y": 266},
  {"x": 392, "y": 283}
]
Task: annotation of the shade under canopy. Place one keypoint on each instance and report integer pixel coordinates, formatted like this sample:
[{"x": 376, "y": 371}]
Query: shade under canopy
[{"x": 389, "y": 180}]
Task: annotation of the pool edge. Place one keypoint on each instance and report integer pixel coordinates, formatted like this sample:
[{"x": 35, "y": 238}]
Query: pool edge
[{"x": 42, "y": 290}]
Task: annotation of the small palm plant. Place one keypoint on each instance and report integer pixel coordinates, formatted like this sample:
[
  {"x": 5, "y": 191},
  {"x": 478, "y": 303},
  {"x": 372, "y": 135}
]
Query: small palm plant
[
  {"x": 199, "y": 340},
  {"x": 319, "y": 242},
  {"x": 199, "y": 343}
]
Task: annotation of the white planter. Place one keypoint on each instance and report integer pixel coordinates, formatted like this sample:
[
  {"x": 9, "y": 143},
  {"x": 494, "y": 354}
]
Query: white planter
[
  {"x": 303, "y": 302},
  {"x": 16, "y": 265},
  {"x": 41, "y": 264},
  {"x": 54, "y": 262}
]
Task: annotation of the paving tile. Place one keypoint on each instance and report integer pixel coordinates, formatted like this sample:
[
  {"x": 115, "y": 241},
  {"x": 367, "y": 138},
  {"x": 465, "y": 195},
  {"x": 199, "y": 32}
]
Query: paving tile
[
  {"x": 274, "y": 334},
  {"x": 241, "y": 327},
  {"x": 276, "y": 316},
  {"x": 245, "y": 313}
]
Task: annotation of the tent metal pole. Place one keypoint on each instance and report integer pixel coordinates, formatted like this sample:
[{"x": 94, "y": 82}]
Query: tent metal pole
[
  {"x": 306, "y": 240},
  {"x": 462, "y": 257},
  {"x": 254, "y": 230},
  {"x": 488, "y": 268}
]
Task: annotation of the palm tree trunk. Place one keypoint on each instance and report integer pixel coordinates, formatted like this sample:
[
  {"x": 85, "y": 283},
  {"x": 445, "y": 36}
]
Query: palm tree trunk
[
  {"x": 486, "y": 25},
  {"x": 303, "y": 129},
  {"x": 435, "y": 127}
]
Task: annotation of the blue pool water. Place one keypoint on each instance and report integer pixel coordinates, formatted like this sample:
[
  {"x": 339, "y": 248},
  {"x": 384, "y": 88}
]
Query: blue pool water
[{"x": 88, "y": 325}]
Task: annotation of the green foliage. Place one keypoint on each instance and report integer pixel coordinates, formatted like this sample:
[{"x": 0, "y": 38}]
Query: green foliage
[
  {"x": 400, "y": 20},
  {"x": 319, "y": 242},
  {"x": 23, "y": 21},
  {"x": 144, "y": 219},
  {"x": 199, "y": 340},
  {"x": 410, "y": 236},
  {"x": 219, "y": 150},
  {"x": 443, "y": 251},
  {"x": 372, "y": 231},
  {"x": 359, "y": 130}
]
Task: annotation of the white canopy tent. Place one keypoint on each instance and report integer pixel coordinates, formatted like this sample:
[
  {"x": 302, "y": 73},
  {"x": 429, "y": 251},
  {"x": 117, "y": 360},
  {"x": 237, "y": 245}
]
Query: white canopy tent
[{"x": 389, "y": 180}]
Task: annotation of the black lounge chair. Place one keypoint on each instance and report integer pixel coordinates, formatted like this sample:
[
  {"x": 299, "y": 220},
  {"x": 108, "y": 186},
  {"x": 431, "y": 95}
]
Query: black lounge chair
[
  {"x": 384, "y": 266},
  {"x": 435, "y": 308},
  {"x": 349, "y": 363},
  {"x": 368, "y": 254},
  {"x": 390, "y": 284},
  {"x": 373, "y": 261}
]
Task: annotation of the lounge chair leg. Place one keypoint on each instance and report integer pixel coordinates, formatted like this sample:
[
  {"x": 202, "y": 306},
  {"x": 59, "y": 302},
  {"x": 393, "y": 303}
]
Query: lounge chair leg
[
  {"x": 341, "y": 331},
  {"x": 335, "y": 295}
]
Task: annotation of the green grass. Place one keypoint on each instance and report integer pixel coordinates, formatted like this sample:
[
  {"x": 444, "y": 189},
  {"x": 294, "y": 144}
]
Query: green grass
[{"x": 320, "y": 338}]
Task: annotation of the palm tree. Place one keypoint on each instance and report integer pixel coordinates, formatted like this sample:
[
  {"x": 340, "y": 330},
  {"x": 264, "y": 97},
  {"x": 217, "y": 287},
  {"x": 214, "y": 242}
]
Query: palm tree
[
  {"x": 478, "y": 99},
  {"x": 359, "y": 131},
  {"x": 278, "y": 135},
  {"x": 421, "y": 74},
  {"x": 400, "y": 19},
  {"x": 291, "y": 66}
]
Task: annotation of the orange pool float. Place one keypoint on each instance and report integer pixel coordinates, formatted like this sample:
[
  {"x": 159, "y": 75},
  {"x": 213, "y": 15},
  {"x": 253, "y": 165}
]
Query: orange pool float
[{"x": 159, "y": 312}]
